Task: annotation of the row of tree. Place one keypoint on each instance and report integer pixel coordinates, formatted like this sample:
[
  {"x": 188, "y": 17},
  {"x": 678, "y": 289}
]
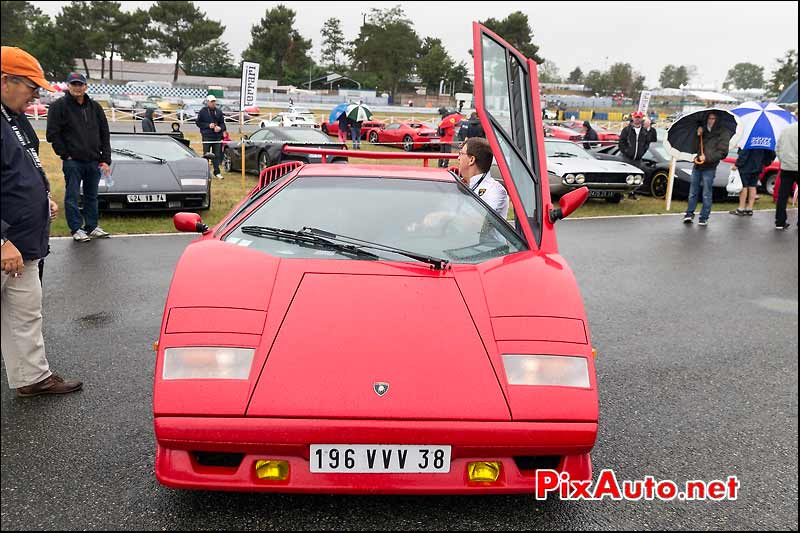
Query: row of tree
[
  {"x": 621, "y": 77},
  {"x": 386, "y": 54}
]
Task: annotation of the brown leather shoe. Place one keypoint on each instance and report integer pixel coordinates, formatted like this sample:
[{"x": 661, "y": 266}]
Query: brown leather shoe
[{"x": 55, "y": 384}]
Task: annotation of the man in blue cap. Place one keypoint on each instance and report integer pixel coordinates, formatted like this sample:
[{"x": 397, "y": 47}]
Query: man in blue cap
[{"x": 78, "y": 131}]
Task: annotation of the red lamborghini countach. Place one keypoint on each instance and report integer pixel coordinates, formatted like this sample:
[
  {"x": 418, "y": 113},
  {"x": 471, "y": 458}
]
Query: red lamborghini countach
[{"x": 330, "y": 335}]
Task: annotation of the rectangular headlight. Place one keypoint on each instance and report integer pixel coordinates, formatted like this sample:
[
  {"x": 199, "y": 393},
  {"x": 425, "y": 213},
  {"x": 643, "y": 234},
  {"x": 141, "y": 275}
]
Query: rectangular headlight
[
  {"x": 557, "y": 370},
  {"x": 203, "y": 362}
]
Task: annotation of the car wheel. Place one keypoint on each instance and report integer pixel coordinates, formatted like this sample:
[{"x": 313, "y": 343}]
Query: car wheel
[
  {"x": 373, "y": 137},
  {"x": 227, "y": 161},
  {"x": 617, "y": 198},
  {"x": 408, "y": 143},
  {"x": 769, "y": 183},
  {"x": 325, "y": 129},
  {"x": 208, "y": 198},
  {"x": 263, "y": 162},
  {"x": 658, "y": 185}
]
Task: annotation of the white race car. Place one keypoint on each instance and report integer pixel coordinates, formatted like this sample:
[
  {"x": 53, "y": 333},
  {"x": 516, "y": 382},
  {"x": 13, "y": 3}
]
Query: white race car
[{"x": 290, "y": 120}]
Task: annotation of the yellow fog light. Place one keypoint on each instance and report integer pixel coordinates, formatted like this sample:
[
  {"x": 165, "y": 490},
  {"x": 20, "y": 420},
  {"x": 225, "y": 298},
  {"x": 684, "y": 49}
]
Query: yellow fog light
[
  {"x": 483, "y": 471},
  {"x": 272, "y": 470}
]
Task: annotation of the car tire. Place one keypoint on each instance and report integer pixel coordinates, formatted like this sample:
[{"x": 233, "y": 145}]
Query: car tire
[
  {"x": 658, "y": 185},
  {"x": 207, "y": 207},
  {"x": 263, "y": 162},
  {"x": 373, "y": 137},
  {"x": 408, "y": 143},
  {"x": 769, "y": 183},
  {"x": 227, "y": 161},
  {"x": 325, "y": 129},
  {"x": 617, "y": 198}
]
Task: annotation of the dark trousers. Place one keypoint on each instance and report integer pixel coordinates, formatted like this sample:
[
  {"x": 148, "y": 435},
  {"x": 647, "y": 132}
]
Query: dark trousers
[
  {"x": 445, "y": 148},
  {"x": 216, "y": 149},
  {"x": 81, "y": 176},
  {"x": 788, "y": 179}
]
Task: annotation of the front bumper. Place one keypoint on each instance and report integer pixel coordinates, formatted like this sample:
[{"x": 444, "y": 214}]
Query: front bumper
[
  {"x": 174, "y": 202},
  {"x": 521, "y": 447}
]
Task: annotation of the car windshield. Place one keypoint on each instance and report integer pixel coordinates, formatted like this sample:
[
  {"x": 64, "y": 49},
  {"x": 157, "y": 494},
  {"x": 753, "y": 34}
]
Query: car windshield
[
  {"x": 436, "y": 218},
  {"x": 565, "y": 149},
  {"x": 162, "y": 147},
  {"x": 659, "y": 151}
]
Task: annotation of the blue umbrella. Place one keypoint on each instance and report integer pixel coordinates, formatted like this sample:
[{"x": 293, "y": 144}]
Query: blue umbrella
[
  {"x": 763, "y": 124},
  {"x": 338, "y": 110}
]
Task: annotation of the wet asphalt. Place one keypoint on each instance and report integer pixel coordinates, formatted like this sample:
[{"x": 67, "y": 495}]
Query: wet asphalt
[{"x": 696, "y": 333}]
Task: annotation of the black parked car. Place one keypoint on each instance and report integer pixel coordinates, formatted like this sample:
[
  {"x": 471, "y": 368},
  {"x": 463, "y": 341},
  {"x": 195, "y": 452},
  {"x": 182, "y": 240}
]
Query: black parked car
[
  {"x": 154, "y": 172},
  {"x": 264, "y": 148},
  {"x": 655, "y": 164}
]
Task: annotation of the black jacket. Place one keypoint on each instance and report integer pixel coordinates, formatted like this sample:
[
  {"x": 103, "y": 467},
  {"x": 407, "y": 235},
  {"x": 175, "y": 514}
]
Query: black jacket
[
  {"x": 628, "y": 142},
  {"x": 148, "y": 126},
  {"x": 78, "y": 131},
  {"x": 591, "y": 135},
  {"x": 24, "y": 205},
  {"x": 205, "y": 117},
  {"x": 715, "y": 147},
  {"x": 753, "y": 161}
]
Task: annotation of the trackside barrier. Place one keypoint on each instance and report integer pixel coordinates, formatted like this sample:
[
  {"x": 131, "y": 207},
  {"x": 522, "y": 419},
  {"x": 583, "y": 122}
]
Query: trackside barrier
[
  {"x": 270, "y": 174},
  {"x": 324, "y": 152}
]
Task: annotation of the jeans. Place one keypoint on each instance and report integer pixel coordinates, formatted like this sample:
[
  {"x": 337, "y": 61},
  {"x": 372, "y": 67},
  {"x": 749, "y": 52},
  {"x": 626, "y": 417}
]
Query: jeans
[
  {"x": 76, "y": 172},
  {"x": 216, "y": 149},
  {"x": 445, "y": 148},
  {"x": 707, "y": 175},
  {"x": 356, "y": 133},
  {"x": 788, "y": 179}
]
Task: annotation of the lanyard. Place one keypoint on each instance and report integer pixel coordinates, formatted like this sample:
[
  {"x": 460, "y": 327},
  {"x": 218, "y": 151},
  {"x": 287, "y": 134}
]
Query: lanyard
[
  {"x": 25, "y": 142},
  {"x": 479, "y": 182}
]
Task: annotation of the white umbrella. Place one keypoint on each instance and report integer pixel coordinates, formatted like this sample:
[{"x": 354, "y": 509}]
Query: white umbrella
[
  {"x": 358, "y": 112},
  {"x": 763, "y": 124}
]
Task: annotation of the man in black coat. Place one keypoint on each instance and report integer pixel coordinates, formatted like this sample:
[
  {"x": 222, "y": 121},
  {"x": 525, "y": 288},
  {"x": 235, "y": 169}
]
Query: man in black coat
[
  {"x": 211, "y": 122},
  {"x": 634, "y": 140},
  {"x": 78, "y": 131}
]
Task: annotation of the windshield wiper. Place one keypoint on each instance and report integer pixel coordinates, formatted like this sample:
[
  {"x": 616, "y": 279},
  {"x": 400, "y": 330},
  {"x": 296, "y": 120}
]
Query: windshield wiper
[
  {"x": 137, "y": 155},
  {"x": 304, "y": 238},
  {"x": 435, "y": 262}
]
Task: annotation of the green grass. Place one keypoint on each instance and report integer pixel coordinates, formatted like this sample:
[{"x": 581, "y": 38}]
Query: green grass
[{"x": 228, "y": 192}]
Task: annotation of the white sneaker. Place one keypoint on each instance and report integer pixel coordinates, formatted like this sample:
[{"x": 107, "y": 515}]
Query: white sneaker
[
  {"x": 99, "y": 233},
  {"x": 219, "y": 176},
  {"x": 81, "y": 236}
]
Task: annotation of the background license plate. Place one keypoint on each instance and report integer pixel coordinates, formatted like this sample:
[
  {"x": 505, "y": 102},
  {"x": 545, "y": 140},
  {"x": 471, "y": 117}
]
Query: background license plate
[
  {"x": 600, "y": 194},
  {"x": 147, "y": 198},
  {"x": 380, "y": 459}
]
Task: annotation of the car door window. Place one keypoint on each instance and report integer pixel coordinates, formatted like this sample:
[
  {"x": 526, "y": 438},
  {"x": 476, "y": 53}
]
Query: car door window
[
  {"x": 507, "y": 100},
  {"x": 259, "y": 135},
  {"x": 393, "y": 127}
]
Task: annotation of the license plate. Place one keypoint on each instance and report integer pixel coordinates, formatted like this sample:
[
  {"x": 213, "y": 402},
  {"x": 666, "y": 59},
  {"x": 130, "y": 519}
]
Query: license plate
[
  {"x": 600, "y": 194},
  {"x": 146, "y": 198},
  {"x": 379, "y": 459},
  {"x": 435, "y": 141}
]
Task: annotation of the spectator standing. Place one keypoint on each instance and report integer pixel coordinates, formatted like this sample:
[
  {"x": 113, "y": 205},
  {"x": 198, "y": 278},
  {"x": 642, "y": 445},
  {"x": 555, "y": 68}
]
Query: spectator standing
[
  {"x": 750, "y": 163},
  {"x": 355, "y": 133},
  {"x": 211, "y": 122},
  {"x": 447, "y": 133},
  {"x": 344, "y": 125},
  {"x": 77, "y": 129},
  {"x": 26, "y": 214},
  {"x": 711, "y": 146},
  {"x": 148, "y": 125},
  {"x": 787, "y": 153},
  {"x": 634, "y": 140},
  {"x": 589, "y": 135}
]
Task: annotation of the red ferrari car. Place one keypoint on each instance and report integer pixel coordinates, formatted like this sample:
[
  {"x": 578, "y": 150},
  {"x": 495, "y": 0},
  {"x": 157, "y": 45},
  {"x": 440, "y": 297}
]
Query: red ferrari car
[
  {"x": 562, "y": 133},
  {"x": 408, "y": 135},
  {"x": 36, "y": 109},
  {"x": 332, "y": 128},
  {"x": 767, "y": 180},
  {"x": 379, "y": 328},
  {"x": 603, "y": 134}
]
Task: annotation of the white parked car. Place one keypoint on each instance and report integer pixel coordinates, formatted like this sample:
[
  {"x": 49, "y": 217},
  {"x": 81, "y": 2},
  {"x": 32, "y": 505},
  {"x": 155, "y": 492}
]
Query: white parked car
[{"x": 290, "y": 120}]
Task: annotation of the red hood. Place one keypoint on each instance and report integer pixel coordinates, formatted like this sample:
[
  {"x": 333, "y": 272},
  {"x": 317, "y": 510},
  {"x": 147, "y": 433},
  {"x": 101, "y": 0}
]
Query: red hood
[{"x": 413, "y": 333}]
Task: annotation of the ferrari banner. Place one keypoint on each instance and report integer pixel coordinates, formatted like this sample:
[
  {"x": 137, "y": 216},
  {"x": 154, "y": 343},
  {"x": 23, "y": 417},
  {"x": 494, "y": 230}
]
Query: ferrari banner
[{"x": 249, "y": 84}]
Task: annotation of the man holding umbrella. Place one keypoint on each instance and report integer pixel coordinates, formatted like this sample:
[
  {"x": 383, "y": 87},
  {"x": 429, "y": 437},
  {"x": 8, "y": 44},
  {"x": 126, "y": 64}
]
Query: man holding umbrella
[{"x": 711, "y": 146}]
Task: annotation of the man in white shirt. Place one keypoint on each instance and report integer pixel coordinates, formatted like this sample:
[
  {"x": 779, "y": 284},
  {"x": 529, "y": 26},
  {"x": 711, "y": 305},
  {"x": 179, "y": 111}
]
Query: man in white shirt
[
  {"x": 787, "y": 154},
  {"x": 474, "y": 164}
]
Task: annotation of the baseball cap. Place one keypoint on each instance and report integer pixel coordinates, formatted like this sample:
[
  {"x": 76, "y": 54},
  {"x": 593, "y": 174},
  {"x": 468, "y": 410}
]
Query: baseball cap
[
  {"x": 18, "y": 62},
  {"x": 211, "y": 98},
  {"x": 637, "y": 114},
  {"x": 76, "y": 77}
]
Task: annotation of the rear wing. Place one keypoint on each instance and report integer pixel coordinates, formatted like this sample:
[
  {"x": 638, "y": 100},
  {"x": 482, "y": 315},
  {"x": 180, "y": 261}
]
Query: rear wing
[{"x": 325, "y": 152}]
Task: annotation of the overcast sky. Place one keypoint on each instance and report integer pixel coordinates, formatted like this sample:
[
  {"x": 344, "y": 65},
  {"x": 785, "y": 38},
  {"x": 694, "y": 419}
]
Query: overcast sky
[{"x": 713, "y": 36}]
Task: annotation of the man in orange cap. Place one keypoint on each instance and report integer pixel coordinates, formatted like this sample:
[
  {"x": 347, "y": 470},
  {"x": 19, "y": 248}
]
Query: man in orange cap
[{"x": 26, "y": 210}]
